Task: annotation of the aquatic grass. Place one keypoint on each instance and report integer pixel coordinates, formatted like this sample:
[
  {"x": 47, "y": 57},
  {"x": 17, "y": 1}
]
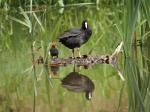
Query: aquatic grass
[
  {"x": 145, "y": 61},
  {"x": 135, "y": 81},
  {"x": 106, "y": 23},
  {"x": 146, "y": 10},
  {"x": 34, "y": 77},
  {"x": 11, "y": 81},
  {"x": 93, "y": 47},
  {"x": 53, "y": 96},
  {"x": 39, "y": 22},
  {"x": 26, "y": 22},
  {"x": 133, "y": 90},
  {"x": 48, "y": 82}
]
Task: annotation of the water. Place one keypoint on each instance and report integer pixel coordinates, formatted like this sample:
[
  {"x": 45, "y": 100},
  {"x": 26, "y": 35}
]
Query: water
[{"x": 18, "y": 84}]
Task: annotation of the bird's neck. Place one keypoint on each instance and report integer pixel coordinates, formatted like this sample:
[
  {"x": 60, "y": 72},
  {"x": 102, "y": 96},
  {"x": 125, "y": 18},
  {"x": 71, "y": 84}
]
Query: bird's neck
[
  {"x": 53, "y": 46},
  {"x": 84, "y": 28}
]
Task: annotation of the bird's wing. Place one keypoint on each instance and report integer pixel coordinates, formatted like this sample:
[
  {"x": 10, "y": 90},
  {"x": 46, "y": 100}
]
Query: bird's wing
[
  {"x": 75, "y": 88},
  {"x": 71, "y": 33},
  {"x": 72, "y": 82}
]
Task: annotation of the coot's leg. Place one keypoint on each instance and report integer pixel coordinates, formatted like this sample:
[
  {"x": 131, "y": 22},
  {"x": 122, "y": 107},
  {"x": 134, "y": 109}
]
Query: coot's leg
[
  {"x": 73, "y": 53},
  {"x": 78, "y": 69},
  {"x": 78, "y": 49}
]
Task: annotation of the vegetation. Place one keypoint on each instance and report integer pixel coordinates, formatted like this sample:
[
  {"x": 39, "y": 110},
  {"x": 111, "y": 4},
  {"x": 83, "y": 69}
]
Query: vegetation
[{"x": 24, "y": 87}]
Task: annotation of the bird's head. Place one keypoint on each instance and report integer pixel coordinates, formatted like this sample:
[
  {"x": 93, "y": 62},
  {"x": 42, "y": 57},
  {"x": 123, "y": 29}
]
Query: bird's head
[
  {"x": 88, "y": 95},
  {"x": 84, "y": 25},
  {"x": 53, "y": 45}
]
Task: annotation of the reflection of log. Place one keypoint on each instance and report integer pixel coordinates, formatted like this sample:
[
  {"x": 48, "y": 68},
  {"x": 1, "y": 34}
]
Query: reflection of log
[{"x": 91, "y": 60}]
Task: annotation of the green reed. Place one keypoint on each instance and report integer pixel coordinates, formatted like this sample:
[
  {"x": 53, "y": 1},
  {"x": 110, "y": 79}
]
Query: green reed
[
  {"x": 128, "y": 22},
  {"x": 134, "y": 16}
]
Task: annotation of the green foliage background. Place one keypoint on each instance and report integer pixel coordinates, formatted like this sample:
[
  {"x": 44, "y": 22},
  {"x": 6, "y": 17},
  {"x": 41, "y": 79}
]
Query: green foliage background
[{"x": 112, "y": 21}]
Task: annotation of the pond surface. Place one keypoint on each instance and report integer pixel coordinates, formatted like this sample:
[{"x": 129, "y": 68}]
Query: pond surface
[{"x": 18, "y": 86}]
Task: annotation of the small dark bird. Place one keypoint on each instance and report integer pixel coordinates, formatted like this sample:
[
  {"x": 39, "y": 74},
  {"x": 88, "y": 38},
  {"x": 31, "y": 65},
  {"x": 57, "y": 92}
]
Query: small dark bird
[
  {"x": 75, "y": 37},
  {"x": 54, "y": 51},
  {"x": 78, "y": 83}
]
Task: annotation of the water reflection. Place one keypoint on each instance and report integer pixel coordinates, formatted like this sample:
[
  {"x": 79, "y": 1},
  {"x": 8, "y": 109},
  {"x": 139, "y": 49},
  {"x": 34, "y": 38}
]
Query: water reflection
[
  {"x": 77, "y": 82},
  {"x": 54, "y": 69}
]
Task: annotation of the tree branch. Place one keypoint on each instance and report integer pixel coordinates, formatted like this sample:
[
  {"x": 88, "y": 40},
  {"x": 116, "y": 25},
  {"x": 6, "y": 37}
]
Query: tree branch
[{"x": 91, "y": 60}]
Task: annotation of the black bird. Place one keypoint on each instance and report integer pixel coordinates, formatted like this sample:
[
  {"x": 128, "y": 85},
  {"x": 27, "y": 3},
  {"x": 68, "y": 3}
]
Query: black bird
[
  {"x": 78, "y": 83},
  {"x": 75, "y": 37},
  {"x": 54, "y": 51}
]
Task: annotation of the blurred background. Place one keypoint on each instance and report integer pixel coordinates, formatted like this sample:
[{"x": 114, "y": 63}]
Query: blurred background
[{"x": 27, "y": 88}]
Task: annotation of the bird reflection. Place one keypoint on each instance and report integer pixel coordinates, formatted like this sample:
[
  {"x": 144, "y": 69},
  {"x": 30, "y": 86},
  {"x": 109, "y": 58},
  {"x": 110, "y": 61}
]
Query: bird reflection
[
  {"x": 77, "y": 82},
  {"x": 54, "y": 69}
]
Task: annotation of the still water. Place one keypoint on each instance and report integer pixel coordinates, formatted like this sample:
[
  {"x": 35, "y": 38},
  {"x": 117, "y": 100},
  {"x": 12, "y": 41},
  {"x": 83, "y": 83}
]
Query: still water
[{"x": 18, "y": 84}]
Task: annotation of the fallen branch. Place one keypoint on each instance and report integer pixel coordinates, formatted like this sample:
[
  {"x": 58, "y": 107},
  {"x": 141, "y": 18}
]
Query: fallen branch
[{"x": 91, "y": 60}]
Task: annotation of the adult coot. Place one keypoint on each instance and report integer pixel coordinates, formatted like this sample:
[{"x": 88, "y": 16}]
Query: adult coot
[
  {"x": 78, "y": 83},
  {"x": 53, "y": 51},
  {"x": 75, "y": 37}
]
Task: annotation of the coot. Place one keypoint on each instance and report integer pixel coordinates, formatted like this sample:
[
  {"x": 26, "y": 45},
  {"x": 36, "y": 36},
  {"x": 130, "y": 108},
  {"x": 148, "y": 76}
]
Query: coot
[
  {"x": 75, "y": 37},
  {"x": 78, "y": 83},
  {"x": 54, "y": 51}
]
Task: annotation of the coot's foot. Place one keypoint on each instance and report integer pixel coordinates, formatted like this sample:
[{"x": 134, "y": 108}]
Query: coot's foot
[{"x": 85, "y": 56}]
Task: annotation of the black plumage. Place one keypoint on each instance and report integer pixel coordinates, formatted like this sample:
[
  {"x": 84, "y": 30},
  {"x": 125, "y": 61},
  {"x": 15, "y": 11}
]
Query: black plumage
[
  {"x": 78, "y": 83},
  {"x": 75, "y": 37},
  {"x": 54, "y": 51}
]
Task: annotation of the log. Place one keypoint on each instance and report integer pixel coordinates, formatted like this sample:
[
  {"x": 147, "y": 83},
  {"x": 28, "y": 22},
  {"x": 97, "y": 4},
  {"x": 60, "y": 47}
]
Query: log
[{"x": 86, "y": 60}]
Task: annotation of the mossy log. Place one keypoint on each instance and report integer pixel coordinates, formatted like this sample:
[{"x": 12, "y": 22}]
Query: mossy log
[{"x": 86, "y": 60}]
